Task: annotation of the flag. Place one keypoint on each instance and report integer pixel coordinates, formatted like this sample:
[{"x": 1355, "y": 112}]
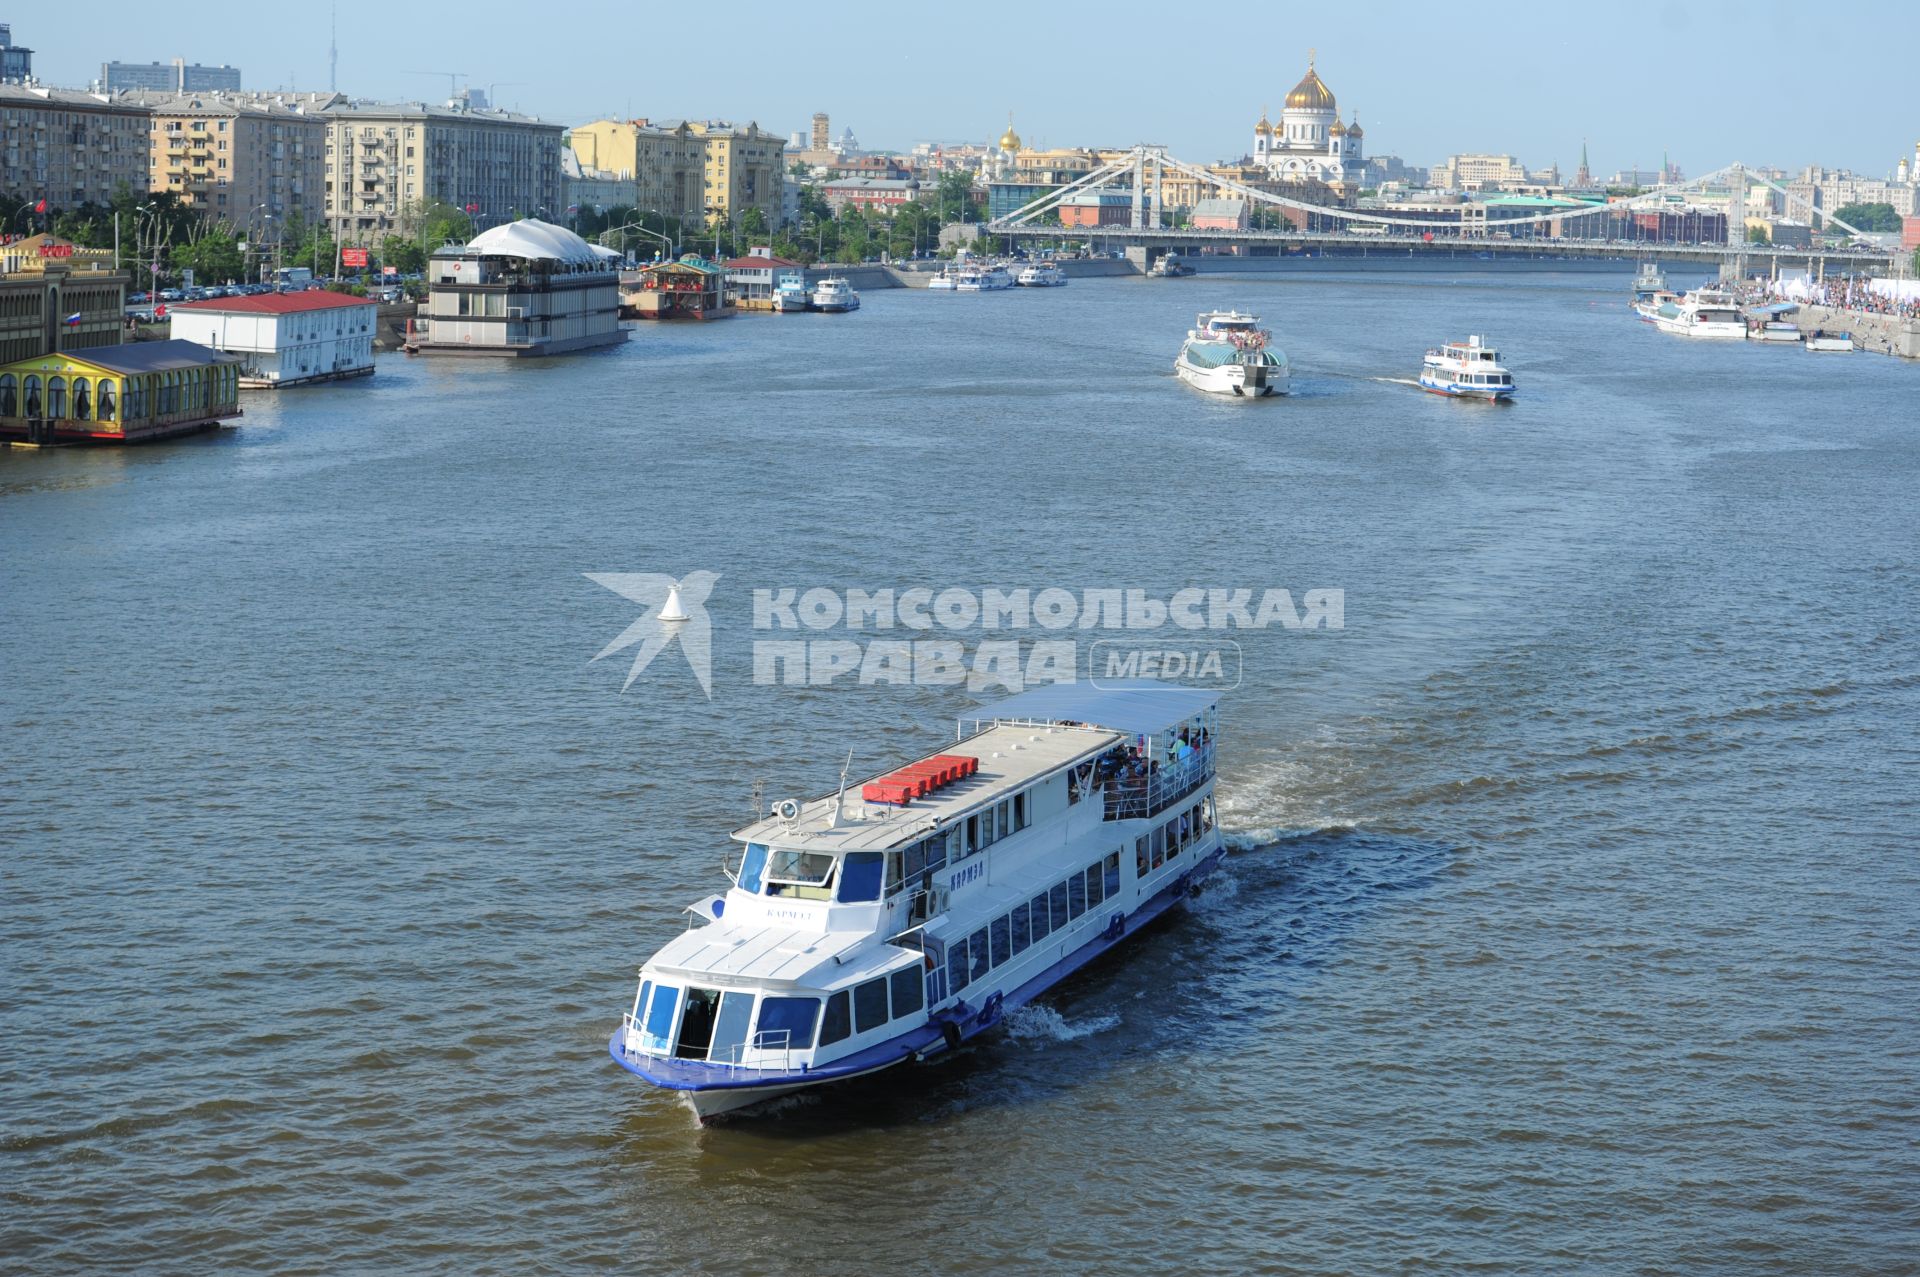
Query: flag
[
  {"x": 41, "y": 207},
  {"x": 73, "y": 319},
  {"x": 160, "y": 311}
]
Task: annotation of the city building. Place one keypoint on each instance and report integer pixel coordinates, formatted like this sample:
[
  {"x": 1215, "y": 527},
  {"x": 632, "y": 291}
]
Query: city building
[
  {"x": 118, "y": 394},
  {"x": 1220, "y": 215},
  {"x": 1311, "y": 143},
  {"x": 592, "y": 188},
  {"x": 822, "y": 132},
  {"x": 385, "y": 161},
  {"x": 690, "y": 170},
  {"x": 55, "y": 296},
  {"x": 69, "y": 148},
  {"x": 284, "y": 339},
  {"x": 1480, "y": 173},
  {"x": 177, "y": 76},
  {"x": 869, "y": 194},
  {"x": 690, "y": 288},
  {"x": 1830, "y": 190},
  {"x": 1382, "y": 169},
  {"x": 525, "y": 288},
  {"x": 1097, "y": 208},
  {"x": 16, "y": 63},
  {"x": 238, "y": 157}
]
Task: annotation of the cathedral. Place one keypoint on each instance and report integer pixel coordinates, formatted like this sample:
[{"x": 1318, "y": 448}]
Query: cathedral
[{"x": 1310, "y": 143}]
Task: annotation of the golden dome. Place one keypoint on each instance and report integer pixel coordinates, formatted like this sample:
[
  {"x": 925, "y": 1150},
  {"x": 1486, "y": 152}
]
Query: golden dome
[
  {"x": 1338, "y": 129},
  {"x": 1009, "y": 141},
  {"x": 1354, "y": 129},
  {"x": 1265, "y": 126},
  {"x": 1311, "y": 94}
]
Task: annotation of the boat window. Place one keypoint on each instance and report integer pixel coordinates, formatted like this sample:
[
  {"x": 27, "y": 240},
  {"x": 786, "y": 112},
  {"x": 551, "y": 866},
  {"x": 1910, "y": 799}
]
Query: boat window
[
  {"x": 1020, "y": 817},
  {"x": 870, "y": 1005},
  {"x": 799, "y": 873},
  {"x": 752, "y": 867},
  {"x": 982, "y": 963},
  {"x": 640, "y": 1003},
  {"x": 1094, "y": 887},
  {"x": 860, "y": 876},
  {"x": 973, "y": 834},
  {"x": 837, "y": 1023},
  {"x": 1141, "y": 865},
  {"x": 696, "y": 1024},
  {"x": 1159, "y": 846},
  {"x": 1076, "y": 895},
  {"x": 957, "y": 966},
  {"x": 657, "y": 1030},
  {"x": 787, "y": 1022},
  {"x": 893, "y": 872},
  {"x": 1006, "y": 817},
  {"x": 1042, "y": 920},
  {"x": 1111, "y": 871},
  {"x": 730, "y": 1026},
  {"x": 1022, "y": 936},
  {"x": 1002, "y": 940},
  {"x": 916, "y": 859},
  {"x": 1058, "y": 897},
  {"x": 908, "y": 991}
]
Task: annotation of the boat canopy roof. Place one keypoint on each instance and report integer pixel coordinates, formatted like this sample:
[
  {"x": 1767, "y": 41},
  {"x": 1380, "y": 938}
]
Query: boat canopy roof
[
  {"x": 1138, "y": 707},
  {"x": 1775, "y": 308}
]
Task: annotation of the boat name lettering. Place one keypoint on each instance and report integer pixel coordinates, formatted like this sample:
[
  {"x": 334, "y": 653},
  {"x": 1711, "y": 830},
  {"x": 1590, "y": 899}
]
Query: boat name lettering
[{"x": 966, "y": 875}]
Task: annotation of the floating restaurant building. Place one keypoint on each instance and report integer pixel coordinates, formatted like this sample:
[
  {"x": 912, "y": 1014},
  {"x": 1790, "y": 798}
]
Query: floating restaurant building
[
  {"x": 691, "y": 288},
  {"x": 284, "y": 339},
  {"x": 118, "y": 394},
  {"x": 525, "y": 288}
]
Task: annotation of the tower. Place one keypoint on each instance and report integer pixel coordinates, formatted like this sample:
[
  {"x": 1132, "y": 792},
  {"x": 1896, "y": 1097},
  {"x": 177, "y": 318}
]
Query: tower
[
  {"x": 821, "y": 135},
  {"x": 1581, "y": 177},
  {"x": 333, "y": 52}
]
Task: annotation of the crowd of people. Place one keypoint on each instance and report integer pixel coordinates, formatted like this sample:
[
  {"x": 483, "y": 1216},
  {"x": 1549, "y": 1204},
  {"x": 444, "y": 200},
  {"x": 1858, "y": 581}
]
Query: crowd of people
[{"x": 1867, "y": 294}]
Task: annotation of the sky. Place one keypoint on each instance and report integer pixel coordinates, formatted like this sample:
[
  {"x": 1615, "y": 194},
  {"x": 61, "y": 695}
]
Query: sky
[{"x": 1780, "y": 82}]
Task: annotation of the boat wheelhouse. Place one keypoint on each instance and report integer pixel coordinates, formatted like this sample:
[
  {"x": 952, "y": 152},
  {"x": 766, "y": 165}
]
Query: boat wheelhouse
[
  {"x": 835, "y": 294},
  {"x": 1228, "y": 353},
  {"x": 896, "y": 919},
  {"x": 1466, "y": 370},
  {"x": 1648, "y": 283}
]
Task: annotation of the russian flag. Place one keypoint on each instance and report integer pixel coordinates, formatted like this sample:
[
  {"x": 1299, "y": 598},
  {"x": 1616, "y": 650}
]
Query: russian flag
[{"x": 73, "y": 319}]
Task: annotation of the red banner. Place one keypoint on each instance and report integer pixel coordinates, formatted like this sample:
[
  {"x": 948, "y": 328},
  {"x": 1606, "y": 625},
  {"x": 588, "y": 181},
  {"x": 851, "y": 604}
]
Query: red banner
[{"x": 353, "y": 257}]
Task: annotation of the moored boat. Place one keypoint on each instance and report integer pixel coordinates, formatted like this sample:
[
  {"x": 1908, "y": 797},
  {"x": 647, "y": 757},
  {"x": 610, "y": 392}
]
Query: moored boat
[
  {"x": 1169, "y": 267},
  {"x": 1466, "y": 370},
  {"x": 945, "y": 280},
  {"x": 835, "y": 294},
  {"x": 1705, "y": 312},
  {"x": 1821, "y": 342},
  {"x": 791, "y": 294},
  {"x": 866, "y": 930},
  {"x": 1647, "y": 284},
  {"x": 1041, "y": 275},
  {"x": 1228, "y": 353}
]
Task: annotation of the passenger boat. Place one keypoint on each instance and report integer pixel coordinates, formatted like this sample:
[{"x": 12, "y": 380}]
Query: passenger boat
[
  {"x": 1647, "y": 283},
  {"x": 1829, "y": 343},
  {"x": 945, "y": 280},
  {"x": 835, "y": 294},
  {"x": 994, "y": 277},
  {"x": 1228, "y": 353},
  {"x": 1649, "y": 310},
  {"x": 1466, "y": 370},
  {"x": 1705, "y": 312},
  {"x": 1041, "y": 275},
  {"x": 1770, "y": 323},
  {"x": 888, "y": 926},
  {"x": 1169, "y": 267},
  {"x": 791, "y": 294}
]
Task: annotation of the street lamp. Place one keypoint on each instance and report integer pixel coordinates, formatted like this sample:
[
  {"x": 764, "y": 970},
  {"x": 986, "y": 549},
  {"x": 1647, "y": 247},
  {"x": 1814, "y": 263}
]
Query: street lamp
[{"x": 641, "y": 227}]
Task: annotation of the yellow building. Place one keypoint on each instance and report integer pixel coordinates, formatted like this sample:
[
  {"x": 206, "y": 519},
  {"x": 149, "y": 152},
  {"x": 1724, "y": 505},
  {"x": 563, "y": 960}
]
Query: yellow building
[
  {"x": 691, "y": 170},
  {"x": 239, "y": 156},
  {"x": 118, "y": 394}
]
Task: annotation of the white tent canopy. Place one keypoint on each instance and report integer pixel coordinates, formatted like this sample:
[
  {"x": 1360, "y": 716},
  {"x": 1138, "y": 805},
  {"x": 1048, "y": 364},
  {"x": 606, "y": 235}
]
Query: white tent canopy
[{"x": 536, "y": 240}]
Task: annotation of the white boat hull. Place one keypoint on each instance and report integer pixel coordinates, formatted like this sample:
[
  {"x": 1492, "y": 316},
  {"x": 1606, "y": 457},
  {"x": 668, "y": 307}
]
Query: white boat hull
[
  {"x": 1454, "y": 390},
  {"x": 1829, "y": 345},
  {"x": 1232, "y": 379},
  {"x": 831, "y": 307}
]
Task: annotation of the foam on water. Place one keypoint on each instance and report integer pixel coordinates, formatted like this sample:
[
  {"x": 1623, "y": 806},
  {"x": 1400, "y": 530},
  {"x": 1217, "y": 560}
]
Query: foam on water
[{"x": 1038, "y": 1022}]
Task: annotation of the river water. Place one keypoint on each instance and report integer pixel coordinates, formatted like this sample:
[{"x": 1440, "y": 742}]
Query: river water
[{"x": 1572, "y": 919}]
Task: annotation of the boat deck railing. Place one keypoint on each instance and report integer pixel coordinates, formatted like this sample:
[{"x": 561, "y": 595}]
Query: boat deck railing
[
  {"x": 765, "y": 1043},
  {"x": 1137, "y": 798}
]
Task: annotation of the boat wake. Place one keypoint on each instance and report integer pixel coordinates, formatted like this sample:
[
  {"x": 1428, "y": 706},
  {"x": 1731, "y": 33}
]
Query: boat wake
[{"x": 1039, "y": 1023}]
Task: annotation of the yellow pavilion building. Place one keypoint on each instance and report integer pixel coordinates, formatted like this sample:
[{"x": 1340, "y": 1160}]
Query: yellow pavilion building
[{"x": 118, "y": 394}]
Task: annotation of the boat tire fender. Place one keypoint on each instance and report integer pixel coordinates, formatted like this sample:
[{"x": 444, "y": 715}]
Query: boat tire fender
[{"x": 951, "y": 1032}]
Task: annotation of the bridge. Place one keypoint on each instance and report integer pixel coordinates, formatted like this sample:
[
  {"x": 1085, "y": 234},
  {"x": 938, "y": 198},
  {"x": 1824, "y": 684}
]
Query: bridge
[{"x": 1141, "y": 171}]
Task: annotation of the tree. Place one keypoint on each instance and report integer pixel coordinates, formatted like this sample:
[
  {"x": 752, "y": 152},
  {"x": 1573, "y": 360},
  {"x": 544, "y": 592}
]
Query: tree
[
  {"x": 754, "y": 222},
  {"x": 1869, "y": 217},
  {"x": 1758, "y": 235},
  {"x": 404, "y": 255},
  {"x": 213, "y": 257},
  {"x": 955, "y": 199}
]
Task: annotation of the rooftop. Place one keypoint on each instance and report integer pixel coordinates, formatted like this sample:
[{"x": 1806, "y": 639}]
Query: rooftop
[
  {"x": 150, "y": 356},
  {"x": 278, "y": 303}
]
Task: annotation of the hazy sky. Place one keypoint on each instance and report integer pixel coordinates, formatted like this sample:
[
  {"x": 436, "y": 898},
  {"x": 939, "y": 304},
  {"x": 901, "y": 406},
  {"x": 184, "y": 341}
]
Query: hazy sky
[{"x": 1711, "y": 81}]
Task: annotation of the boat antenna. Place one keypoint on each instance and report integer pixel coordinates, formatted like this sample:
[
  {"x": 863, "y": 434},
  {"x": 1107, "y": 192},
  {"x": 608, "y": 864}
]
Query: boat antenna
[{"x": 840, "y": 799}]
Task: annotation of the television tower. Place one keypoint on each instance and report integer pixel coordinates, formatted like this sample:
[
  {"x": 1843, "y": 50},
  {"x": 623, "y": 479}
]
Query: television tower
[{"x": 333, "y": 52}]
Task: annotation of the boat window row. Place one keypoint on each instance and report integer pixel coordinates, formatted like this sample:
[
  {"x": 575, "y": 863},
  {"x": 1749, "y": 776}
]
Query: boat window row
[
  {"x": 719, "y": 1026},
  {"x": 969, "y": 837},
  {"x": 1028, "y": 923},
  {"x": 1166, "y": 842}
]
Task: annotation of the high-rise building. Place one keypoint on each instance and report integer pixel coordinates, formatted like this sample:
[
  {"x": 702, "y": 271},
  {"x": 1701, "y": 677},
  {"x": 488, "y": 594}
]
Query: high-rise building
[
  {"x": 239, "y": 156},
  {"x": 177, "y": 76},
  {"x": 822, "y": 134},
  {"x": 68, "y": 147},
  {"x": 386, "y": 160},
  {"x": 16, "y": 63},
  {"x": 1480, "y": 172}
]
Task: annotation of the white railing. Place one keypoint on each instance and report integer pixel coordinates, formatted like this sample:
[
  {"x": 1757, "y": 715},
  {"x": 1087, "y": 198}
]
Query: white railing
[{"x": 773, "y": 1048}]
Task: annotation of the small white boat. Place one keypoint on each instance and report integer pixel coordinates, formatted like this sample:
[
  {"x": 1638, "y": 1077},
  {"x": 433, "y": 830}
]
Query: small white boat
[
  {"x": 1705, "y": 312},
  {"x": 1829, "y": 343},
  {"x": 791, "y": 295},
  {"x": 945, "y": 280},
  {"x": 995, "y": 277},
  {"x": 1466, "y": 370},
  {"x": 1228, "y": 353},
  {"x": 969, "y": 280},
  {"x": 835, "y": 294},
  {"x": 1169, "y": 267},
  {"x": 1041, "y": 275}
]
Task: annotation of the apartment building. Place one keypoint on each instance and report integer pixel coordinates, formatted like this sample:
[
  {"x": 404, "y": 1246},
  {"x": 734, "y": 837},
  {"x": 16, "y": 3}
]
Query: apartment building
[
  {"x": 692, "y": 170},
  {"x": 386, "y": 160},
  {"x": 177, "y": 76},
  {"x": 69, "y": 148},
  {"x": 238, "y": 156}
]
